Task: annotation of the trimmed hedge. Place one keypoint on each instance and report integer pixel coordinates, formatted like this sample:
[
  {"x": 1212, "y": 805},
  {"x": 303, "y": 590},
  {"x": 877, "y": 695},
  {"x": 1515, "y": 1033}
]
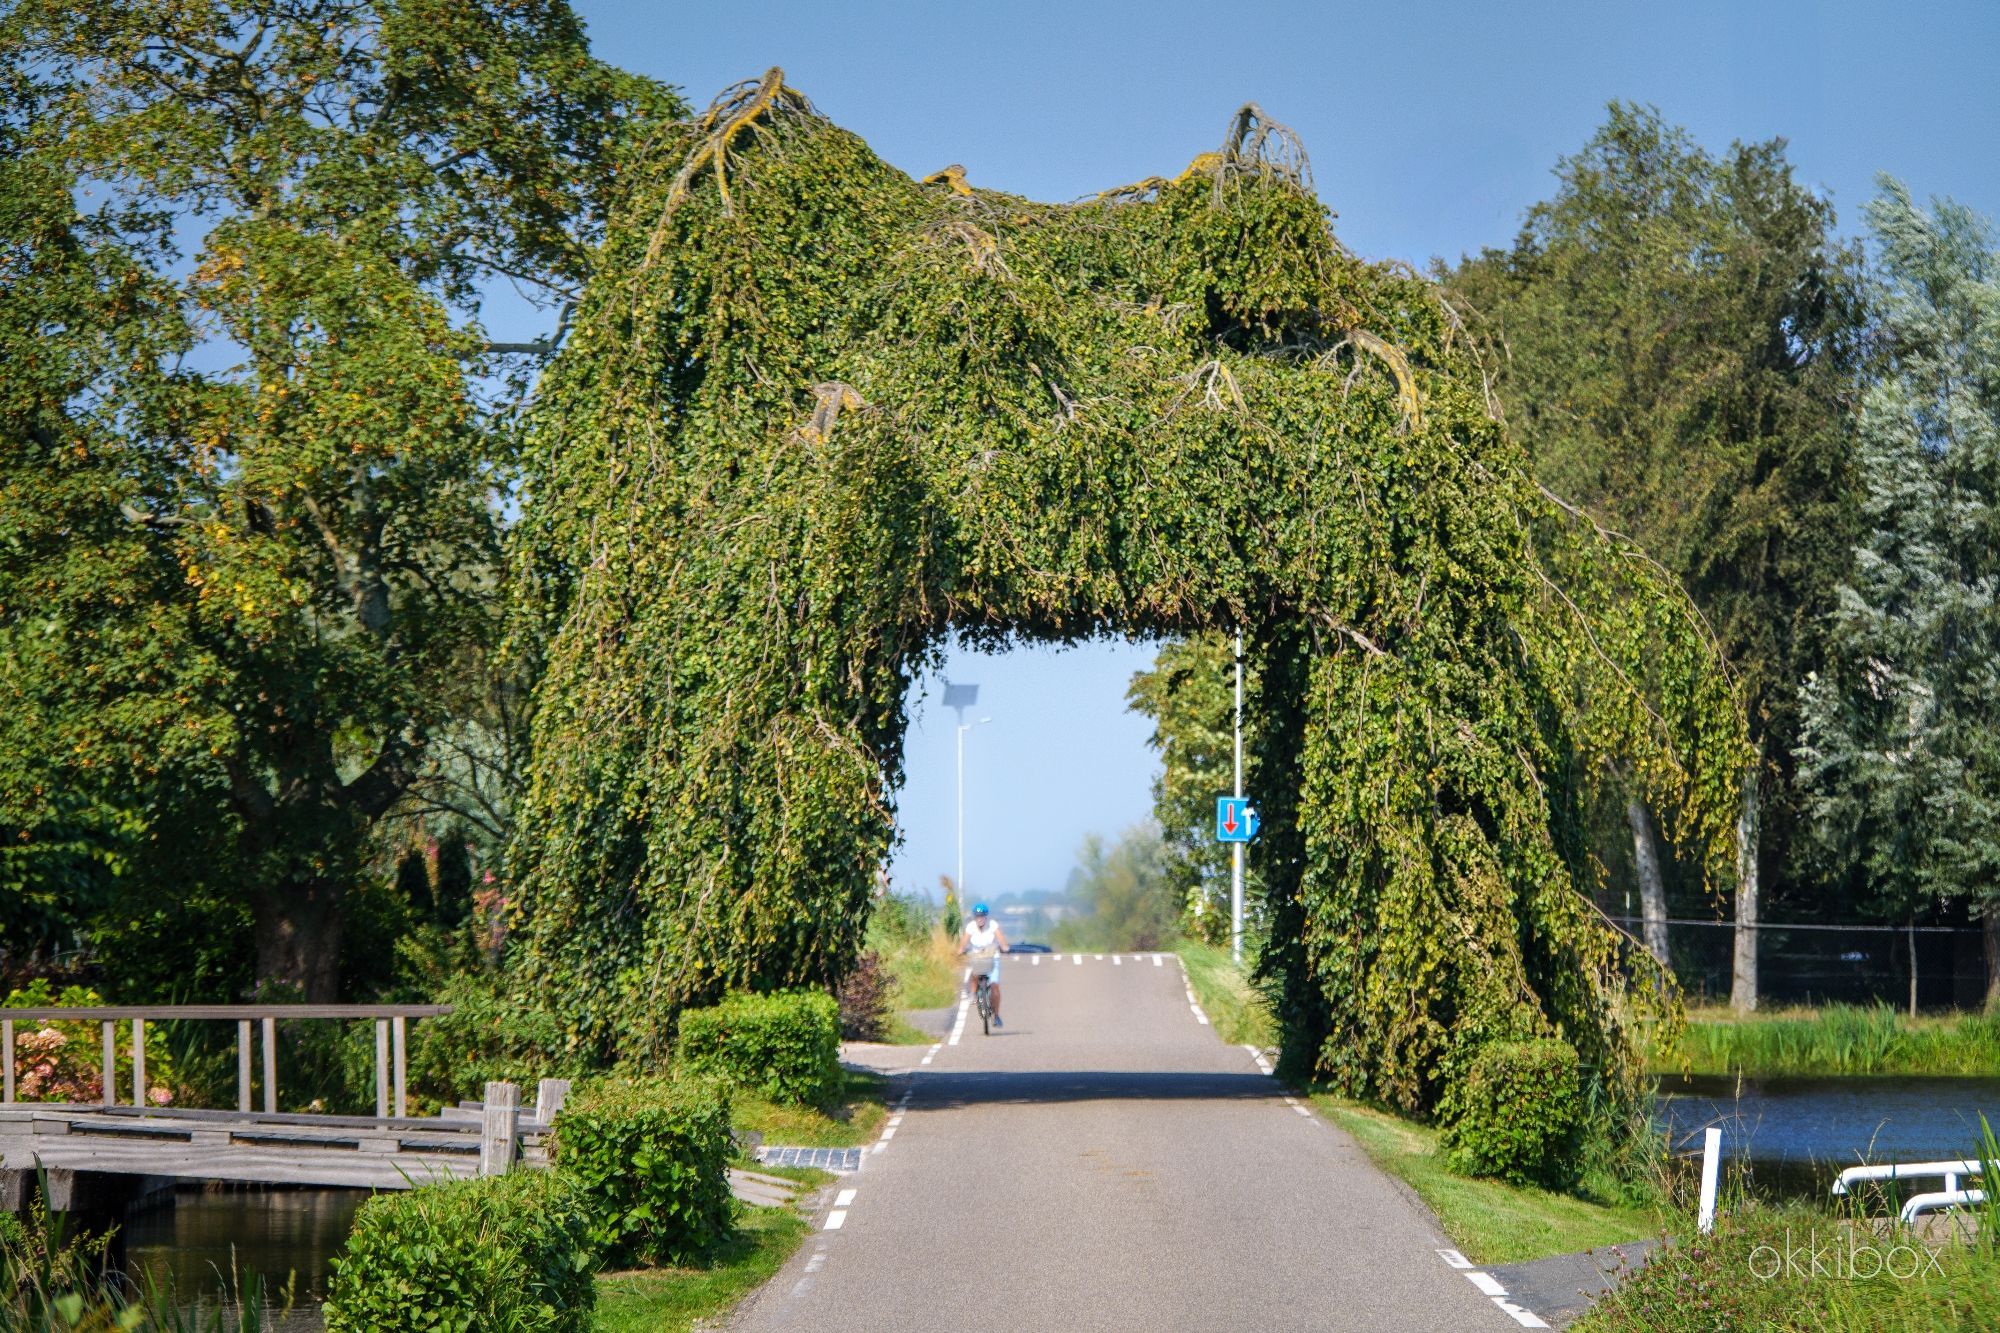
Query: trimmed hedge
[
  {"x": 651, "y": 1157},
  {"x": 785, "y": 1046},
  {"x": 1519, "y": 1114},
  {"x": 499, "y": 1254}
]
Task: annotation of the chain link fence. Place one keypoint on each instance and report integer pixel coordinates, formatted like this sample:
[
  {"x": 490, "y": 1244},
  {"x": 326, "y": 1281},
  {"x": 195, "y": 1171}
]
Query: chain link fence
[{"x": 1801, "y": 963}]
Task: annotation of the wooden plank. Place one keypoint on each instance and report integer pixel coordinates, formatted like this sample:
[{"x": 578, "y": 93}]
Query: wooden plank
[
  {"x": 269, "y": 1036},
  {"x": 7, "y": 1059},
  {"x": 550, "y": 1094},
  {"x": 382, "y": 1068},
  {"x": 399, "y": 1040},
  {"x": 138, "y": 1062},
  {"x": 159, "y": 1012},
  {"x": 107, "y": 1030},
  {"x": 500, "y": 1130},
  {"x": 243, "y": 1066}
]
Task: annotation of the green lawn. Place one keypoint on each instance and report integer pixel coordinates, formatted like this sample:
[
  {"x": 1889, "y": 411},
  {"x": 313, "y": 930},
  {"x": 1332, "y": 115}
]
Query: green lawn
[
  {"x": 856, "y": 1119},
  {"x": 673, "y": 1300},
  {"x": 1490, "y": 1222}
]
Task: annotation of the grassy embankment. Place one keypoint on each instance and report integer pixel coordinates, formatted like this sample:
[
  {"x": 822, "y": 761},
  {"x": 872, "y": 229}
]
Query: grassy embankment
[
  {"x": 1489, "y": 1221},
  {"x": 1838, "y": 1039},
  {"x": 672, "y": 1300}
]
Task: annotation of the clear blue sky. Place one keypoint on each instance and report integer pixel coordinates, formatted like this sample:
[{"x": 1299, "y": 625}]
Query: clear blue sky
[{"x": 1431, "y": 129}]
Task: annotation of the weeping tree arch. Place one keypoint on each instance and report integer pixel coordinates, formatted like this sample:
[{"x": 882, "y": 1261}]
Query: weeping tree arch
[{"x": 815, "y": 415}]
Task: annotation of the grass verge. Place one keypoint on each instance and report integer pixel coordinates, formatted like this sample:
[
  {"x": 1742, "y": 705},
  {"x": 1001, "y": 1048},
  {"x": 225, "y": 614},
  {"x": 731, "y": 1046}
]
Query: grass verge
[
  {"x": 1797, "y": 1267},
  {"x": 673, "y": 1300},
  {"x": 856, "y": 1118},
  {"x": 1234, "y": 1008},
  {"x": 1838, "y": 1039},
  {"x": 1490, "y": 1221}
]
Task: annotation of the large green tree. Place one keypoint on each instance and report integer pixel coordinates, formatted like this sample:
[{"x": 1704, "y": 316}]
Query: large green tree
[
  {"x": 1673, "y": 337},
  {"x": 1189, "y": 694},
  {"x": 308, "y": 475},
  {"x": 1900, "y": 747}
]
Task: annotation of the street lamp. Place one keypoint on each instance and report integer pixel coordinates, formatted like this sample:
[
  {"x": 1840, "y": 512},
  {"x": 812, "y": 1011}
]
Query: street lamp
[{"x": 959, "y": 698}]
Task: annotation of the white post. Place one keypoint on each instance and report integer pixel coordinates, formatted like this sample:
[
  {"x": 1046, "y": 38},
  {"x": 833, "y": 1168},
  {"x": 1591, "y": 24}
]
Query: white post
[
  {"x": 1711, "y": 1168},
  {"x": 1236, "y": 848},
  {"x": 110, "y": 1069},
  {"x": 7, "y": 1059},
  {"x": 138, "y": 1062}
]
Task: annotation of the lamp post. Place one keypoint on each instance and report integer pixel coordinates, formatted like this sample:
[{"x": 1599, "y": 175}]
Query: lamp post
[
  {"x": 1236, "y": 848},
  {"x": 958, "y": 698}
]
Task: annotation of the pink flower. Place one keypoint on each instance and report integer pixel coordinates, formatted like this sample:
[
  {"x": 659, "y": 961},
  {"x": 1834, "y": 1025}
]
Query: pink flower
[{"x": 159, "y": 1096}]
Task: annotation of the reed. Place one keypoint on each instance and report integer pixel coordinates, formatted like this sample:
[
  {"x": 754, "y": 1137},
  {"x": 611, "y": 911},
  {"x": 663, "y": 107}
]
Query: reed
[{"x": 1838, "y": 1039}]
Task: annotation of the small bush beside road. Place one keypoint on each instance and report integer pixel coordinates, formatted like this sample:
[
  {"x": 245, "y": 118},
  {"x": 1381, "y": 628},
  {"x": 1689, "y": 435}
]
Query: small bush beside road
[
  {"x": 1517, "y": 1115},
  {"x": 500, "y": 1252},
  {"x": 651, "y": 1159},
  {"x": 785, "y": 1046}
]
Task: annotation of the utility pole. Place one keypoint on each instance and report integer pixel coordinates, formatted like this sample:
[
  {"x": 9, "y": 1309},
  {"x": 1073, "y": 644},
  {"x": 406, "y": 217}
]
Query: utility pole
[{"x": 1236, "y": 848}]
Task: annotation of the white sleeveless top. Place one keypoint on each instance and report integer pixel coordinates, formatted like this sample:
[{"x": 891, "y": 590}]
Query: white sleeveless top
[{"x": 983, "y": 940}]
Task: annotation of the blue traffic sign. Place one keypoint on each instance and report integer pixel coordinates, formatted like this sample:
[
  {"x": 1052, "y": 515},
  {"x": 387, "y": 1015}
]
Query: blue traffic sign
[{"x": 1235, "y": 819}]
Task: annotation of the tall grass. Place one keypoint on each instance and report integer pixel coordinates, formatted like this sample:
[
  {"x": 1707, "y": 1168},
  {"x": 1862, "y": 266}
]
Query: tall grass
[
  {"x": 1798, "y": 1266},
  {"x": 1839, "y": 1039},
  {"x": 1235, "y": 1008}
]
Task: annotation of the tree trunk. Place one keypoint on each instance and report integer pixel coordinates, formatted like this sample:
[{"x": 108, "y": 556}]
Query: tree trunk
[
  {"x": 298, "y": 926},
  {"x": 1743, "y": 982},
  {"x": 1652, "y": 891},
  {"x": 1991, "y": 919},
  {"x": 1911, "y": 936}
]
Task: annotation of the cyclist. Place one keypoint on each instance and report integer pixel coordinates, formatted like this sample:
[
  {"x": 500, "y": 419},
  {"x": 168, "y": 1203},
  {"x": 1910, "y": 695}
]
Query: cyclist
[{"x": 985, "y": 941}]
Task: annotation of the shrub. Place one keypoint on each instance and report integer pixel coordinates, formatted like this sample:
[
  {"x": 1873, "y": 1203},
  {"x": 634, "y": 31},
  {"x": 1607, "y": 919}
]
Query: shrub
[
  {"x": 865, "y": 1011},
  {"x": 506, "y": 1252},
  {"x": 651, "y": 1157},
  {"x": 785, "y": 1046},
  {"x": 1517, "y": 1114},
  {"x": 488, "y": 1037}
]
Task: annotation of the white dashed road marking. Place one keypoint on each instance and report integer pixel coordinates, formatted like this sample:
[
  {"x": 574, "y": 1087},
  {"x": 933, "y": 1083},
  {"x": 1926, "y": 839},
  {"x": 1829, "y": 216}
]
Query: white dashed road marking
[
  {"x": 1158, "y": 961},
  {"x": 1076, "y": 958},
  {"x": 1490, "y": 1286},
  {"x": 836, "y": 1219},
  {"x": 843, "y": 1199}
]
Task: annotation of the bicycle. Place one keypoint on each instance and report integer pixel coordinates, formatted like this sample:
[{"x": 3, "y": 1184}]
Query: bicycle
[{"x": 982, "y": 996}]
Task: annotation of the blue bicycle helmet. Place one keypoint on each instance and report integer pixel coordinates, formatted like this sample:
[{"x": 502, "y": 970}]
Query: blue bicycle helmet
[{"x": 979, "y": 909}]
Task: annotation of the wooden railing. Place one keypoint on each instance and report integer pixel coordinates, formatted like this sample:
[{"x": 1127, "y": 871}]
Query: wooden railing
[{"x": 391, "y": 1042}]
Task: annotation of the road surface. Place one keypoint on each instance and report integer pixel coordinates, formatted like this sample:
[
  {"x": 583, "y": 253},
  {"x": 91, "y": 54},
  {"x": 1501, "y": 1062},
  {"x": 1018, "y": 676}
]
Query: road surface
[{"x": 1107, "y": 1163}]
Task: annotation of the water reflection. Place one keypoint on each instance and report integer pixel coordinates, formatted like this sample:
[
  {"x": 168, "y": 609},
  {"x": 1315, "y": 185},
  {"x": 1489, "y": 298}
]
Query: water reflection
[
  {"x": 205, "y": 1234},
  {"x": 1796, "y": 1133}
]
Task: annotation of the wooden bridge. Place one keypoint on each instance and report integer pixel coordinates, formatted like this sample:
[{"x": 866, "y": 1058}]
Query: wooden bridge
[{"x": 105, "y": 1150}]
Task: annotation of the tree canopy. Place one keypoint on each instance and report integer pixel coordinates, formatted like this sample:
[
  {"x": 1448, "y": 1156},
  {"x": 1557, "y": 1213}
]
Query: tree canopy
[
  {"x": 251, "y": 541},
  {"x": 1900, "y": 747},
  {"x": 815, "y": 414}
]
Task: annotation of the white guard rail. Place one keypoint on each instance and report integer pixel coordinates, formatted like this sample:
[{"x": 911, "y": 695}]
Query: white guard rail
[{"x": 1949, "y": 1173}]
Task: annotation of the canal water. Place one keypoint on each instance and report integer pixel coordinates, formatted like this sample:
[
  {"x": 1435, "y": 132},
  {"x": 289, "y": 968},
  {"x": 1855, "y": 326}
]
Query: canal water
[
  {"x": 1795, "y": 1134},
  {"x": 206, "y": 1235}
]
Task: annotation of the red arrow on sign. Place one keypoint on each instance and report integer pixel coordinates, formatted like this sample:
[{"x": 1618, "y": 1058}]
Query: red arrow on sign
[{"x": 1229, "y": 824}]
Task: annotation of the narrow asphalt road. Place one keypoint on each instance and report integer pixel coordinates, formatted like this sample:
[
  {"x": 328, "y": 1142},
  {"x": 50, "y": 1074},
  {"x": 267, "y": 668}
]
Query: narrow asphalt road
[{"x": 1106, "y": 1162}]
